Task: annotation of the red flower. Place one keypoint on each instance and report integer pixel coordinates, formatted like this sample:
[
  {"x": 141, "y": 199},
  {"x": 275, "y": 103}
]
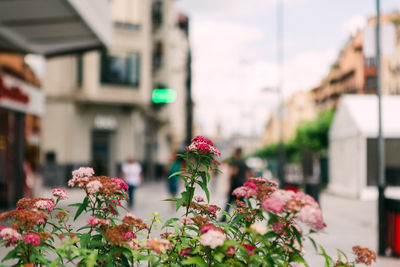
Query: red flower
[{"x": 251, "y": 250}]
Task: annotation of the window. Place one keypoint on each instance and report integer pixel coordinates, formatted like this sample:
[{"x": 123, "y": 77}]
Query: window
[
  {"x": 79, "y": 62},
  {"x": 157, "y": 14},
  {"x": 121, "y": 69},
  {"x": 370, "y": 82},
  {"x": 158, "y": 55}
]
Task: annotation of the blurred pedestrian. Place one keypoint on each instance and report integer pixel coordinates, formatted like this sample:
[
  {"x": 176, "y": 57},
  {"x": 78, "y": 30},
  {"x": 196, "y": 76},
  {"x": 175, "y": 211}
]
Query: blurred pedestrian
[
  {"x": 175, "y": 165},
  {"x": 131, "y": 172},
  {"x": 238, "y": 175}
]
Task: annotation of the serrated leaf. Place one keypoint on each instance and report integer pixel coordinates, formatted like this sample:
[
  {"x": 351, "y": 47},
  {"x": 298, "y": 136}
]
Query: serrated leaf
[{"x": 82, "y": 207}]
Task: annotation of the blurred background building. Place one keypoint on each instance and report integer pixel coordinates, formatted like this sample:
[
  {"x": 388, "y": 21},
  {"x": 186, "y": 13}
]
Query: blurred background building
[
  {"x": 49, "y": 28},
  {"x": 354, "y": 71},
  {"x": 99, "y": 107}
]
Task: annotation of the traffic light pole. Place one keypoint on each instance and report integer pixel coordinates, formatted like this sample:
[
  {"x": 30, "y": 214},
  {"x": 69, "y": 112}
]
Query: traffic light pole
[
  {"x": 381, "y": 144},
  {"x": 281, "y": 167}
]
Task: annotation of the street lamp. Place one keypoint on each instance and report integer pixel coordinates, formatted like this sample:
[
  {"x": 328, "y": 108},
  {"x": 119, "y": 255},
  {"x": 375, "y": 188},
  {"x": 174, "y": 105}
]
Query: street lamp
[
  {"x": 381, "y": 145},
  {"x": 282, "y": 156}
]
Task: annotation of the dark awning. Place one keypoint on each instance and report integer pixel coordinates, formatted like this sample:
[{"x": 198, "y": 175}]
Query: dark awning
[{"x": 53, "y": 27}]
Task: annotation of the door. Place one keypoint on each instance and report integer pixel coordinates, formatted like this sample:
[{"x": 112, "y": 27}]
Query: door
[{"x": 102, "y": 159}]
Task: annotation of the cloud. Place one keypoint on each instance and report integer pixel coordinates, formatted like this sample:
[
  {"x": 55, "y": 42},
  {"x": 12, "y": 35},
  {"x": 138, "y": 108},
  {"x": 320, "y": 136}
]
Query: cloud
[
  {"x": 214, "y": 8},
  {"x": 352, "y": 25}
]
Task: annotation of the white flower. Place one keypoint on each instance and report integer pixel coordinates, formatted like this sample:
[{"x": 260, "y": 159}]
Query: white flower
[
  {"x": 212, "y": 239},
  {"x": 93, "y": 187},
  {"x": 259, "y": 228}
]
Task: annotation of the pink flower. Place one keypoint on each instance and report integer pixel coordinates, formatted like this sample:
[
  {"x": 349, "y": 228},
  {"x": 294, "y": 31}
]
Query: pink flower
[
  {"x": 312, "y": 216},
  {"x": 121, "y": 183},
  {"x": 45, "y": 205},
  {"x": 10, "y": 235},
  {"x": 185, "y": 252},
  {"x": 129, "y": 236},
  {"x": 212, "y": 211},
  {"x": 93, "y": 187},
  {"x": 206, "y": 228},
  {"x": 283, "y": 195},
  {"x": 59, "y": 193},
  {"x": 199, "y": 199},
  {"x": 32, "y": 238},
  {"x": 83, "y": 172},
  {"x": 277, "y": 228},
  {"x": 273, "y": 204},
  {"x": 212, "y": 239},
  {"x": 306, "y": 199},
  {"x": 77, "y": 175},
  {"x": 133, "y": 245},
  {"x": 93, "y": 221},
  {"x": 202, "y": 140},
  {"x": 250, "y": 185},
  {"x": 250, "y": 249},
  {"x": 230, "y": 251},
  {"x": 243, "y": 191},
  {"x": 186, "y": 221},
  {"x": 40, "y": 220},
  {"x": 203, "y": 146},
  {"x": 111, "y": 208}
]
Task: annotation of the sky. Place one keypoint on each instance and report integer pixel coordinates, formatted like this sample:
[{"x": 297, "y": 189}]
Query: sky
[{"x": 234, "y": 46}]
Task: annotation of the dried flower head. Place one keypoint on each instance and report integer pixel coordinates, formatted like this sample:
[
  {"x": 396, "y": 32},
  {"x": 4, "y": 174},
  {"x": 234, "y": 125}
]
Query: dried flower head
[{"x": 364, "y": 255}]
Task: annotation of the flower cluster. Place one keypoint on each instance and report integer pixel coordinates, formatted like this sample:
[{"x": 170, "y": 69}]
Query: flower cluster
[
  {"x": 80, "y": 175},
  {"x": 60, "y": 193},
  {"x": 32, "y": 238},
  {"x": 45, "y": 204},
  {"x": 10, "y": 235},
  {"x": 203, "y": 146},
  {"x": 158, "y": 245},
  {"x": 364, "y": 255},
  {"x": 263, "y": 230}
]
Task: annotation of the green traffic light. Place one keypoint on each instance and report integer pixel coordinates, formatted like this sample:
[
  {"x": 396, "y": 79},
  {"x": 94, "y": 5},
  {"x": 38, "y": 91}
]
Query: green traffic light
[{"x": 163, "y": 95}]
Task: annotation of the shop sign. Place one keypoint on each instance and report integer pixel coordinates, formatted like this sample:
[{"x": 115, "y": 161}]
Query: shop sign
[
  {"x": 18, "y": 95},
  {"x": 105, "y": 122}
]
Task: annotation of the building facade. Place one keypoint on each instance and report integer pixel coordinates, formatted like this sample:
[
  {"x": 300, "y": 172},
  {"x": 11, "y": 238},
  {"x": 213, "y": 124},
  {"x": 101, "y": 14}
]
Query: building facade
[
  {"x": 21, "y": 108},
  {"x": 354, "y": 71},
  {"x": 298, "y": 109},
  {"x": 99, "y": 109}
]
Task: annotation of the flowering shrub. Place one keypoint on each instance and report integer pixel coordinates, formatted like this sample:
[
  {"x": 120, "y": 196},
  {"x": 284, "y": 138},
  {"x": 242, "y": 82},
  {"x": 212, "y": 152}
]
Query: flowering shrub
[{"x": 268, "y": 226}]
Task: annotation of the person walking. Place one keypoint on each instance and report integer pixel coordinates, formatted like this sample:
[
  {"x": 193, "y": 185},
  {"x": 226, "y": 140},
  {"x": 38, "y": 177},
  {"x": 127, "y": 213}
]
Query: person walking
[
  {"x": 131, "y": 172},
  {"x": 238, "y": 176},
  {"x": 173, "y": 182}
]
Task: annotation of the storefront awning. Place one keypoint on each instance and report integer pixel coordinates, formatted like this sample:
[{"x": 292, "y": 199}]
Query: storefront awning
[{"x": 54, "y": 27}]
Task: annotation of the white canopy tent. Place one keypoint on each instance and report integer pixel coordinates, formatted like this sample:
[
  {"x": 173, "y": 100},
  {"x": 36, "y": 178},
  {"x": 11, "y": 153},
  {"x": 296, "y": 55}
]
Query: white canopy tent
[{"x": 352, "y": 145}]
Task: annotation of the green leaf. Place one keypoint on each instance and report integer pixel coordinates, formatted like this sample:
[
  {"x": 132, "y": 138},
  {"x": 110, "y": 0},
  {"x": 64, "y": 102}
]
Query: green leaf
[
  {"x": 82, "y": 207},
  {"x": 169, "y": 222},
  {"x": 85, "y": 238},
  {"x": 239, "y": 217},
  {"x": 10, "y": 255},
  {"x": 195, "y": 260},
  {"x": 91, "y": 259},
  {"x": 176, "y": 173}
]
